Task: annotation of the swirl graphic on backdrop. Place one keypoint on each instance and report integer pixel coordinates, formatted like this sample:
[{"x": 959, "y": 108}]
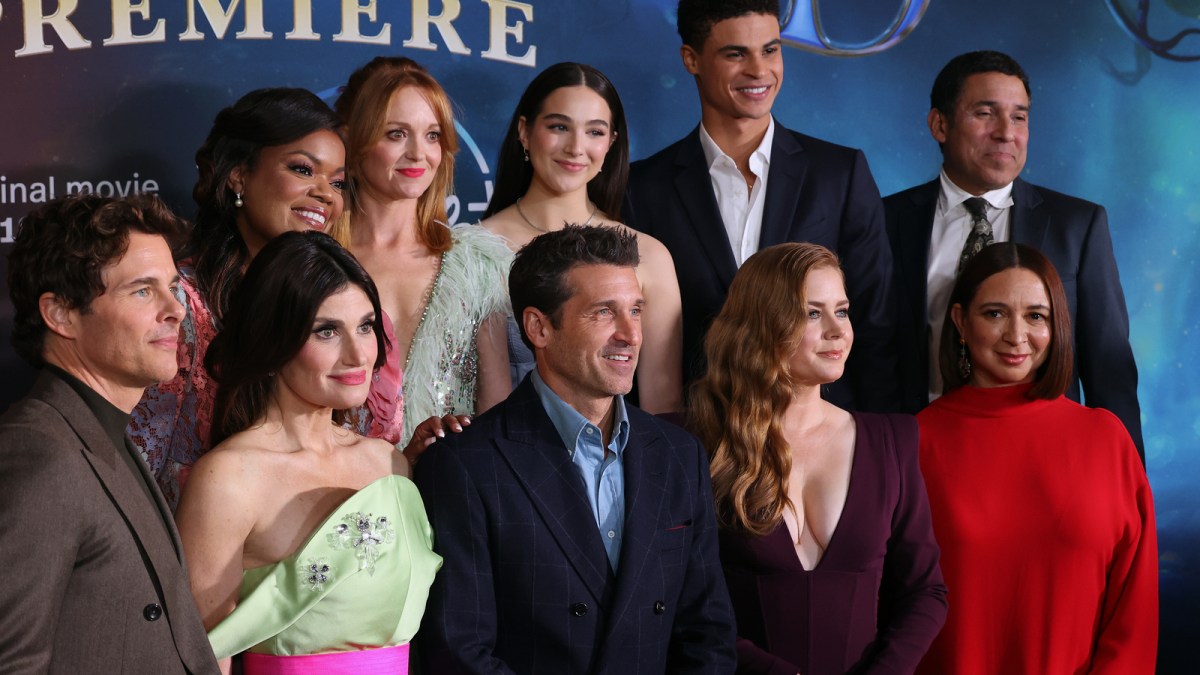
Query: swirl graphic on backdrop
[
  {"x": 1137, "y": 26},
  {"x": 801, "y": 27}
]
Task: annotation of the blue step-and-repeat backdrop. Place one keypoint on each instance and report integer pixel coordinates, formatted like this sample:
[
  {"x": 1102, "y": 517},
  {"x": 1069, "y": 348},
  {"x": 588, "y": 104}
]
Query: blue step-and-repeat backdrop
[{"x": 114, "y": 96}]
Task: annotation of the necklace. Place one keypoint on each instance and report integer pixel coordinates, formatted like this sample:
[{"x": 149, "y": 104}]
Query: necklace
[{"x": 529, "y": 222}]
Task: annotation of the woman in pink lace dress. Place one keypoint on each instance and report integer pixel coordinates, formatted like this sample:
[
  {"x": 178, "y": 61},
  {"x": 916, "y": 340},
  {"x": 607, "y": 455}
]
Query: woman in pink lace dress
[{"x": 273, "y": 162}]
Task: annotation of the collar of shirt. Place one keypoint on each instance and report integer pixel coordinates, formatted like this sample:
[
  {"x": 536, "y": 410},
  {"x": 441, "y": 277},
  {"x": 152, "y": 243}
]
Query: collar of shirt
[
  {"x": 740, "y": 207},
  {"x": 952, "y": 196},
  {"x": 760, "y": 159},
  {"x": 571, "y": 425},
  {"x": 111, "y": 418}
]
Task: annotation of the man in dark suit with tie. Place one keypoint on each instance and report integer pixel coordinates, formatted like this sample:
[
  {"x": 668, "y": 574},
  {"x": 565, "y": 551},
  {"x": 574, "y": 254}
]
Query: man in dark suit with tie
[
  {"x": 577, "y": 531},
  {"x": 741, "y": 182},
  {"x": 980, "y": 118},
  {"x": 94, "y": 574}
]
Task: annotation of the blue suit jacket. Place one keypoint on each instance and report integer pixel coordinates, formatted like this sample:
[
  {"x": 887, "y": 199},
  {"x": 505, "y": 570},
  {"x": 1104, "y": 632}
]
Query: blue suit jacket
[
  {"x": 816, "y": 192},
  {"x": 1073, "y": 234},
  {"x": 526, "y": 586}
]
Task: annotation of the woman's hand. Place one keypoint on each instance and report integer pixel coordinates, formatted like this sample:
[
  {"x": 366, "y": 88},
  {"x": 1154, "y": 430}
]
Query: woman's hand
[{"x": 432, "y": 429}]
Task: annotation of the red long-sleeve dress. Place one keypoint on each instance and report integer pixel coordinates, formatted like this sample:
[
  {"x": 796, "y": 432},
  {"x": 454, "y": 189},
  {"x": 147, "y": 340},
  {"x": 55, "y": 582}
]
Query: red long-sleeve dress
[{"x": 1046, "y": 525}]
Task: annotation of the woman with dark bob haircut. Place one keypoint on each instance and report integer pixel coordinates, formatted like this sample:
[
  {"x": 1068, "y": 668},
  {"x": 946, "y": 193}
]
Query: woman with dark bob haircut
[
  {"x": 565, "y": 160},
  {"x": 825, "y": 536},
  {"x": 307, "y": 544},
  {"x": 1041, "y": 506},
  {"x": 273, "y": 162}
]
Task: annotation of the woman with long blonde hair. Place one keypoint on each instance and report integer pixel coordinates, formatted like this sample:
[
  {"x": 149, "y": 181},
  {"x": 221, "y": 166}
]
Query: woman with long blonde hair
[{"x": 826, "y": 538}]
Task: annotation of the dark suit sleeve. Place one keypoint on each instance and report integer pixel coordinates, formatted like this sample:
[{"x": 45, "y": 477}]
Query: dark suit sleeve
[
  {"x": 1106, "y": 367},
  {"x": 866, "y": 260},
  {"x": 702, "y": 637},
  {"x": 458, "y": 632},
  {"x": 40, "y": 530},
  {"x": 912, "y": 593}
]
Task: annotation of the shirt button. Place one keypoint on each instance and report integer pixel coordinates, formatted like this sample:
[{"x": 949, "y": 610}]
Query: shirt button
[
  {"x": 579, "y": 609},
  {"x": 152, "y": 611},
  {"x": 589, "y": 431},
  {"x": 611, "y": 534}
]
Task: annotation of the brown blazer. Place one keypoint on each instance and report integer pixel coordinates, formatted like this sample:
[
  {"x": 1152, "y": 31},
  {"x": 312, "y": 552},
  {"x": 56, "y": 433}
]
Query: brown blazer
[{"x": 90, "y": 580}]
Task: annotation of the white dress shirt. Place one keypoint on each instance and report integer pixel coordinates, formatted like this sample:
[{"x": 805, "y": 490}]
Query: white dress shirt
[
  {"x": 951, "y": 225},
  {"x": 741, "y": 209}
]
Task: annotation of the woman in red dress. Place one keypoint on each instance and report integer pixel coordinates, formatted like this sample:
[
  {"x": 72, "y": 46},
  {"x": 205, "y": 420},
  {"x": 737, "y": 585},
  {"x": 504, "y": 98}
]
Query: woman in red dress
[{"x": 1041, "y": 506}]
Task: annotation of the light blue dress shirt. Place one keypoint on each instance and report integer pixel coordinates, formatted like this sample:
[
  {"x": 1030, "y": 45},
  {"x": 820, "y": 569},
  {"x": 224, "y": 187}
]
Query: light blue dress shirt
[{"x": 603, "y": 472}]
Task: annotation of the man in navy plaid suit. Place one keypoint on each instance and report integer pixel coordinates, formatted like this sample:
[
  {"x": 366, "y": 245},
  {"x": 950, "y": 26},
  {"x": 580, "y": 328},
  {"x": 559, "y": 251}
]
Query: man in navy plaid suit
[{"x": 577, "y": 531}]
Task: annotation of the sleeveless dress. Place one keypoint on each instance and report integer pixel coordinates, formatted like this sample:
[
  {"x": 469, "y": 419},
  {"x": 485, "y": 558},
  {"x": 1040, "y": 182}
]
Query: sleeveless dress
[
  {"x": 359, "y": 582},
  {"x": 441, "y": 369}
]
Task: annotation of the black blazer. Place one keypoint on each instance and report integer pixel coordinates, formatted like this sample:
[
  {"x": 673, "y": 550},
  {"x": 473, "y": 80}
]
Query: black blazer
[
  {"x": 816, "y": 192},
  {"x": 94, "y": 581},
  {"x": 1073, "y": 234},
  {"x": 526, "y": 586}
]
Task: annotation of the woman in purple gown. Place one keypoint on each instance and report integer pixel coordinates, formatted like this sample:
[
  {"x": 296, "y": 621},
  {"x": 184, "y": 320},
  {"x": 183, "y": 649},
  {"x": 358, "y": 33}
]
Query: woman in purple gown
[{"x": 826, "y": 537}]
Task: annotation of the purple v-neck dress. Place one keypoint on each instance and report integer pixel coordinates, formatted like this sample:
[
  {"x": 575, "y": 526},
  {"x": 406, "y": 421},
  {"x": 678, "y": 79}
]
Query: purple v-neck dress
[{"x": 874, "y": 601}]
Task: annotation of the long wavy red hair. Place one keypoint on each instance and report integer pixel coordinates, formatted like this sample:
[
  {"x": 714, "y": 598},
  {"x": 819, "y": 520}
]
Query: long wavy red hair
[{"x": 736, "y": 408}]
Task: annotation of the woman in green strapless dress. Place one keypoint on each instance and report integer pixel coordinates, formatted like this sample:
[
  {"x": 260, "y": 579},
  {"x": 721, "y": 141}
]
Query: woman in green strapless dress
[{"x": 308, "y": 546}]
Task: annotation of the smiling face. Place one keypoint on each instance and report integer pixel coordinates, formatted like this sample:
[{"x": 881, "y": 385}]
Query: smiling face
[
  {"x": 403, "y": 161},
  {"x": 984, "y": 141},
  {"x": 128, "y": 337},
  {"x": 297, "y": 186},
  {"x": 822, "y": 343},
  {"x": 740, "y": 68},
  {"x": 592, "y": 353},
  {"x": 569, "y": 139},
  {"x": 333, "y": 368},
  {"x": 1007, "y": 328}
]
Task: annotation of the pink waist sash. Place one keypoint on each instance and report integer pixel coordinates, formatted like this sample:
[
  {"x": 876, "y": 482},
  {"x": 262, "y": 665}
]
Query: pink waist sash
[{"x": 384, "y": 661}]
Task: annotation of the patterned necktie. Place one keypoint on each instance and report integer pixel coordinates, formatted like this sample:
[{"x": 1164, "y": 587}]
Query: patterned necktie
[{"x": 980, "y": 234}]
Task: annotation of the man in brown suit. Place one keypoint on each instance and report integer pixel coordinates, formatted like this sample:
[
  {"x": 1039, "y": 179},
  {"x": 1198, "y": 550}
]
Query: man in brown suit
[{"x": 93, "y": 575}]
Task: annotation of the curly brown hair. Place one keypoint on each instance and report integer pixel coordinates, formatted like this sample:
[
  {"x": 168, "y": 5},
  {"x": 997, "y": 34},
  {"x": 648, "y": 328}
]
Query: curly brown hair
[{"x": 64, "y": 247}]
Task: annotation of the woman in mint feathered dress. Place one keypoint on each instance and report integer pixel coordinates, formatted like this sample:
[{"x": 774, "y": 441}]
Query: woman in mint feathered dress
[
  {"x": 308, "y": 546},
  {"x": 444, "y": 289}
]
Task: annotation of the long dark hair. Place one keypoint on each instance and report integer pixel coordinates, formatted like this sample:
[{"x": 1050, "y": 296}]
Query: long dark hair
[
  {"x": 270, "y": 318},
  {"x": 514, "y": 174},
  {"x": 262, "y": 118},
  {"x": 1052, "y": 379}
]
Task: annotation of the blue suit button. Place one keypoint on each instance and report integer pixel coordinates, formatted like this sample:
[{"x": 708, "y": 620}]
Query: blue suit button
[
  {"x": 579, "y": 608},
  {"x": 660, "y": 607}
]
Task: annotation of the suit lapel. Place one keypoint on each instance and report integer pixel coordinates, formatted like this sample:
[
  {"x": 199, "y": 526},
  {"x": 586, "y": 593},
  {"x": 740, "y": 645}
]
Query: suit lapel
[
  {"x": 693, "y": 188},
  {"x": 645, "y": 489},
  {"x": 1027, "y": 227},
  {"x": 912, "y": 266},
  {"x": 147, "y": 528},
  {"x": 537, "y": 457},
  {"x": 785, "y": 182}
]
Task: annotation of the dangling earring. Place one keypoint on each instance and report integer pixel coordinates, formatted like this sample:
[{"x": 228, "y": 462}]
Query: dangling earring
[
  {"x": 237, "y": 200},
  {"x": 526, "y": 153},
  {"x": 964, "y": 360}
]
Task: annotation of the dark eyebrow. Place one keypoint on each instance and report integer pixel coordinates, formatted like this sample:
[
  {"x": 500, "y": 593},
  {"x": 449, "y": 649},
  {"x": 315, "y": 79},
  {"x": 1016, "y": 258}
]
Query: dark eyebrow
[
  {"x": 564, "y": 118},
  {"x": 148, "y": 281},
  {"x": 312, "y": 158},
  {"x": 742, "y": 48},
  {"x": 994, "y": 104}
]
